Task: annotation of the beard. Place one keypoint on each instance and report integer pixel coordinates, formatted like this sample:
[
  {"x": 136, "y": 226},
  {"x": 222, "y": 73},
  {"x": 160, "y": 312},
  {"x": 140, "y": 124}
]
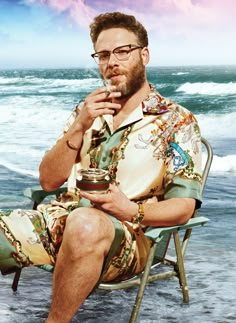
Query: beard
[{"x": 135, "y": 78}]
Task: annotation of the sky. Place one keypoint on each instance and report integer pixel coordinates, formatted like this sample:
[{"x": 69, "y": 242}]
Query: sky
[{"x": 55, "y": 33}]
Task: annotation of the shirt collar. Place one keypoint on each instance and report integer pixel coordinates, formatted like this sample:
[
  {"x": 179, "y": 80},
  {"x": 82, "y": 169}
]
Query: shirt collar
[{"x": 154, "y": 104}]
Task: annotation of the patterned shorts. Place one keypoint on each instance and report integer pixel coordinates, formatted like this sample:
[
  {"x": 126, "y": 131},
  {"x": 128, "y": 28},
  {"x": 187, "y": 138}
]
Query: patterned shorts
[{"x": 33, "y": 237}]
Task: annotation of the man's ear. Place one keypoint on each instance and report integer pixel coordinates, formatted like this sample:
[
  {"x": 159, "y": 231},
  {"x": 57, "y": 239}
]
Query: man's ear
[{"x": 145, "y": 55}]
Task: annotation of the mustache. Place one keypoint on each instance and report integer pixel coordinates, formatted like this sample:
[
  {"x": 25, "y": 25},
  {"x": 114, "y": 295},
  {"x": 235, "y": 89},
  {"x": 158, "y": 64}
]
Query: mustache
[{"x": 114, "y": 73}]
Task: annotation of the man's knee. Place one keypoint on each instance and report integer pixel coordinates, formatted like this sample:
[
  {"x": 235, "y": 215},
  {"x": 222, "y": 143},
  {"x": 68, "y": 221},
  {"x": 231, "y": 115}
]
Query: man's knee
[{"x": 87, "y": 228}]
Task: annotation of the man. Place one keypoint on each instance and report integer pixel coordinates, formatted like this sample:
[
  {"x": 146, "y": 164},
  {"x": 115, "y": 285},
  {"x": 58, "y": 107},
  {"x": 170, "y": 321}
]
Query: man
[{"x": 151, "y": 149}]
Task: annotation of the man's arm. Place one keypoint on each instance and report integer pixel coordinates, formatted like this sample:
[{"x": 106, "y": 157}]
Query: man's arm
[
  {"x": 169, "y": 212},
  {"x": 56, "y": 166}
]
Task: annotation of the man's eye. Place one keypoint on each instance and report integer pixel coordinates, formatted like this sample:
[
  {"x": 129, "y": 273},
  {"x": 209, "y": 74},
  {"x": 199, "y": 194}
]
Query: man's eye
[
  {"x": 122, "y": 51},
  {"x": 104, "y": 55}
]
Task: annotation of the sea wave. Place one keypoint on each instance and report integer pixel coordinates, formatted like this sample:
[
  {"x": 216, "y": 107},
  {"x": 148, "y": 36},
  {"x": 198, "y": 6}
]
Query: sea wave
[
  {"x": 208, "y": 88},
  {"x": 222, "y": 164},
  {"x": 41, "y": 85},
  {"x": 17, "y": 169},
  {"x": 11, "y": 80},
  {"x": 217, "y": 125}
]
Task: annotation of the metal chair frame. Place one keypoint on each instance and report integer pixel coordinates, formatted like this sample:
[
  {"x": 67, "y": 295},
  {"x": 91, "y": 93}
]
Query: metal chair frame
[{"x": 156, "y": 234}]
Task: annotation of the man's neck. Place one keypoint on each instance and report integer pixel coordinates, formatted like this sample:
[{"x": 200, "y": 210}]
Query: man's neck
[{"x": 128, "y": 105}]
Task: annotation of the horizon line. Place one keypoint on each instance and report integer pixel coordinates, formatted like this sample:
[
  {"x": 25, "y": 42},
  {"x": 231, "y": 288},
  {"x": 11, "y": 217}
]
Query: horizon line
[{"x": 95, "y": 67}]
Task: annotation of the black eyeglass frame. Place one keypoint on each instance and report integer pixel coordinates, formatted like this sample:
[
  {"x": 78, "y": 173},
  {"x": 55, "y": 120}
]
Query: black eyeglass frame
[{"x": 132, "y": 47}]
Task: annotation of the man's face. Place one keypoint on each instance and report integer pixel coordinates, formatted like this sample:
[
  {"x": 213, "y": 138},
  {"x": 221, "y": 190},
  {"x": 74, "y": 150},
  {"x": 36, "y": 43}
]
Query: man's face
[{"x": 127, "y": 75}]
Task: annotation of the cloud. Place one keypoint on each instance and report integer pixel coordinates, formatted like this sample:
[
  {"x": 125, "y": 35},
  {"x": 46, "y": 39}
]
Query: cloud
[
  {"x": 190, "y": 14},
  {"x": 181, "y": 15},
  {"x": 77, "y": 10},
  {"x": 180, "y": 31}
]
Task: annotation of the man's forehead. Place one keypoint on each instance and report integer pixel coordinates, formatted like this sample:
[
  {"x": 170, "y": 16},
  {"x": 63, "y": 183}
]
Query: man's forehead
[{"x": 114, "y": 37}]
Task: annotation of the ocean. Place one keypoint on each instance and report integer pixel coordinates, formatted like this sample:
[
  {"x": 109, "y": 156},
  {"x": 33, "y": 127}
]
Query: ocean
[{"x": 34, "y": 105}]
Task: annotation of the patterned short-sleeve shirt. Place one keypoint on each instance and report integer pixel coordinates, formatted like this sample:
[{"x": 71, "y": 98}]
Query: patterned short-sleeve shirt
[{"x": 155, "y": 152}]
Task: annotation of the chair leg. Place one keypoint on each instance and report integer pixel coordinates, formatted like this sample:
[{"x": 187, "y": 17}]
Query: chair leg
[
  {"x": 143, "y": 283},
  {"x": 16, "y": 280},
  {"x": 181, "y": 269},
  {"x": 35, "y": 206}
]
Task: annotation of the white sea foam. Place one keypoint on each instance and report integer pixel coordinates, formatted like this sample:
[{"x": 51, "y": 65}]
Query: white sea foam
[
  {"x": 29, "y": 127},
  {"x": 217, "y": 125},
  {"x": 222, "y": 164},
  {"x": 41, "y": 85},
  {"x": 208, "y": 88},
  {"x": 19, "y": 170},
  {"x": 12, "y": 80},
  {"x": 180, "y": 73}
]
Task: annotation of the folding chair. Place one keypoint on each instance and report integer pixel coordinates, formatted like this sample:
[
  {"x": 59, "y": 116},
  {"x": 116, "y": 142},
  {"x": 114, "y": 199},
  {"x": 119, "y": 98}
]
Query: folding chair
[
  {"x": 160, "y": 236},
  {"x": 157, "y": 256}
]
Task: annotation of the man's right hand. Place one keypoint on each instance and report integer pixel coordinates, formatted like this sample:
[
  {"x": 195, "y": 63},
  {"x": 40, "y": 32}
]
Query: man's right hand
[{"x": 97, "y": 104}]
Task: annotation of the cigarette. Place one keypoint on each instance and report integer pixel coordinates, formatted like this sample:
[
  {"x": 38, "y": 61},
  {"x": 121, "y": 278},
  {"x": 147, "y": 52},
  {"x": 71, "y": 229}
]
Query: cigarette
[{"x": 107, "y": 83}]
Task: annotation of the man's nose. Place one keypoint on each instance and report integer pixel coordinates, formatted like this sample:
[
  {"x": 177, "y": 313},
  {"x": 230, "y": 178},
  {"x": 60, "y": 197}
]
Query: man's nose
[{"x": 112, "y": 59}]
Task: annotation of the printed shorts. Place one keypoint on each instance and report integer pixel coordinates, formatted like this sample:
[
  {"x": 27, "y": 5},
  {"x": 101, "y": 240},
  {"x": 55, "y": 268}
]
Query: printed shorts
[{"x": 33, "y": 237}]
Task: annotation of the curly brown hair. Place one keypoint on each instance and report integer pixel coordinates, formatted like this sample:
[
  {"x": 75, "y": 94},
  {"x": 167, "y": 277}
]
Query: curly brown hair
[{"x": 118, "y": 20}]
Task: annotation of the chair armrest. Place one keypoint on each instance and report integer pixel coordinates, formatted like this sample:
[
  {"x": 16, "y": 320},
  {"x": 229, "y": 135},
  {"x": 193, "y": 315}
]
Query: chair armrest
[
  {"x": 37, "y": 194},
  {"x": 156, "y": 233}
]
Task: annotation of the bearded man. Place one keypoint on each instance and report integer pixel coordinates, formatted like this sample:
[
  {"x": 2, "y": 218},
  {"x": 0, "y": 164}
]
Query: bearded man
[{"x": 151, "y": 149}]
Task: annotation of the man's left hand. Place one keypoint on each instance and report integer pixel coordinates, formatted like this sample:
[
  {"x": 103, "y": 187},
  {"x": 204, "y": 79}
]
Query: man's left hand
[{"x": 114, "y": 202}]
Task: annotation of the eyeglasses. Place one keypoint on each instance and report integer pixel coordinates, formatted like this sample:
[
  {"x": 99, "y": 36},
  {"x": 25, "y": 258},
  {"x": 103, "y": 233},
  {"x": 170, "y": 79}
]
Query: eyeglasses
[{"x": 122, "y": 53}]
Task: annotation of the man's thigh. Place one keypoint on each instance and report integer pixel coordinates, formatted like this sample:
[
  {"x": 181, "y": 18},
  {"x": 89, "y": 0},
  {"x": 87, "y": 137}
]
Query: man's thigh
[{"x": 128, "y": 254}]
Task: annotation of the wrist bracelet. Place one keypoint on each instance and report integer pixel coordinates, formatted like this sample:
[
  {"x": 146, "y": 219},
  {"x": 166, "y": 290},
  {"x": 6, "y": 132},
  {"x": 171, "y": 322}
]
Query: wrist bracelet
[
  {"x": 138, "y": 218},
  {"x": 71, "y": 146}
]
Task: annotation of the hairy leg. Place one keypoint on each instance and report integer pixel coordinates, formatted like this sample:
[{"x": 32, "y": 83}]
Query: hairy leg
[{"x": 86, "y": 241}]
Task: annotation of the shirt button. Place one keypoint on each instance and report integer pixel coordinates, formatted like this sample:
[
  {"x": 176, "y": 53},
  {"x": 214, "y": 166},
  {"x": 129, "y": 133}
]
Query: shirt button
[{"x": 104, "y": 159}]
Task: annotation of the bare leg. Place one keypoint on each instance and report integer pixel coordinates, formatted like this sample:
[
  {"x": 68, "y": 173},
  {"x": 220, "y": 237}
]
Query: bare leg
[{"x": 86, "y": 241}]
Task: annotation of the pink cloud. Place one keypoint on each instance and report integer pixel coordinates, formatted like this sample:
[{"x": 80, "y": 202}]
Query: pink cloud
[{"x": 155, "y": 14}]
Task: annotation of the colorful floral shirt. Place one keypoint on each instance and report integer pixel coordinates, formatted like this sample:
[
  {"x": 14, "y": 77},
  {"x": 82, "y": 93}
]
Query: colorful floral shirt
[{"x": 155, "y": 152}]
